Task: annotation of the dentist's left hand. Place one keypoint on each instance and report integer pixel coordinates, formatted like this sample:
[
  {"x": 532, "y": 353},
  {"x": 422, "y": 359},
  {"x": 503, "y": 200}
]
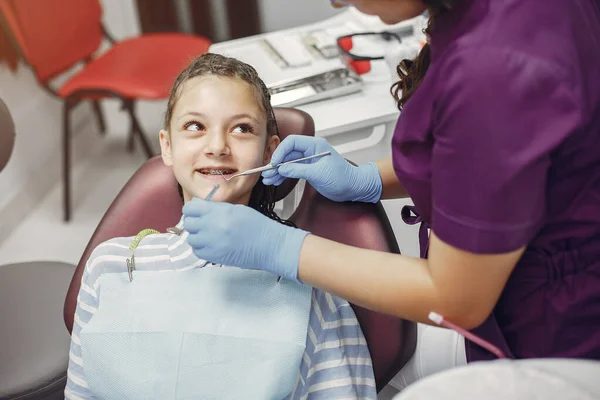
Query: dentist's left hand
[{"x": 240, "y": 236}]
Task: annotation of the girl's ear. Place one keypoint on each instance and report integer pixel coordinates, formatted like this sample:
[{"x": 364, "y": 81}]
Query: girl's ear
[
  {"x": 272, "y": 143},
  {"x": 165, "y": 148}
]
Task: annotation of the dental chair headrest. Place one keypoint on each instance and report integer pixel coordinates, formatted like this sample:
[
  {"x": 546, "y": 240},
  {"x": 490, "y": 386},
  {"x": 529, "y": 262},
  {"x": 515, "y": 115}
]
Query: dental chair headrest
[{"x": 7, "y": 135}]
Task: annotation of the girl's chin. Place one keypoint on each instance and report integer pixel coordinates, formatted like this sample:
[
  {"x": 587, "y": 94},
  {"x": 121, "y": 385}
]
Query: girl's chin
[
  {"x": 224, "y": 194},
  {"x": 216, "y": 198}
]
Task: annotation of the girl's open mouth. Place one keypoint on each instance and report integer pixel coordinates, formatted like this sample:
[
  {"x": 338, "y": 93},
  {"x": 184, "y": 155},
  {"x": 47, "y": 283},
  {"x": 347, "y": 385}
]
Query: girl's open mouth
[
  {"x": 216, "y": 173},
  {"x": 207, "y": 171}
]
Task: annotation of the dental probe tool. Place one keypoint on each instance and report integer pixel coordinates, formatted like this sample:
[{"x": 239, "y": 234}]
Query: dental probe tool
[
  {"x": 175, "y": 230},
  {"x": 270, "y": 166}
]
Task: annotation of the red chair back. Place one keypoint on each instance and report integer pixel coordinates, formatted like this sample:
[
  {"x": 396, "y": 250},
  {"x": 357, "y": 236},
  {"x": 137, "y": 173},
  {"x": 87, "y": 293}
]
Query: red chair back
[
  {"x": 53, "y": 35},
  {"x": 150, "y": 200}
]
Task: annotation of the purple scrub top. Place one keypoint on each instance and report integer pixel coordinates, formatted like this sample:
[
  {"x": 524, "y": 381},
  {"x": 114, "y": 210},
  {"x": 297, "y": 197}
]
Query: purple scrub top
[{"x": 499, "y": 148}]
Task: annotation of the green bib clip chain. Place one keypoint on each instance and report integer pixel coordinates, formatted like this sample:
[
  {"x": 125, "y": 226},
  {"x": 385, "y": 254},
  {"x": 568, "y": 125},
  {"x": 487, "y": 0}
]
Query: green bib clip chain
[{"x": 134, "y": 244}]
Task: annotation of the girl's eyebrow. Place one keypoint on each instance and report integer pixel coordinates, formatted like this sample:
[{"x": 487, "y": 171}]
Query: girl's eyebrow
[
  {"x": 242, "y": 116},
  {"x": 191, "y": 113},
  {"x": 233, "y": 117}
]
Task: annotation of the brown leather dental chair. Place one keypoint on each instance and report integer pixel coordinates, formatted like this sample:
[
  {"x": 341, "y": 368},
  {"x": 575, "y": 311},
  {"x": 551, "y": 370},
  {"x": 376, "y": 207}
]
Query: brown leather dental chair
[
  {"x": 34, "y": 344},
  {"x": 150, "y": 200}
]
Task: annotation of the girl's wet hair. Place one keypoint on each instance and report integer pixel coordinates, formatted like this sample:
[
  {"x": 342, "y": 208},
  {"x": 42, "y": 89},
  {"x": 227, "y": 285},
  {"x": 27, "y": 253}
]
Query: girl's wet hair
[
  {"x": 262, "y": 197},
  {"x": 412, "y": 72}
]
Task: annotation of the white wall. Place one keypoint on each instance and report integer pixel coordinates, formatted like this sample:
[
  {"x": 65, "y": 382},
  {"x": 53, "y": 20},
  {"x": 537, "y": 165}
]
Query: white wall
[
  {"x": 35, "y": 165},
  {"x": 121, "y": 18},
  {"x": 282, "y": 14}
]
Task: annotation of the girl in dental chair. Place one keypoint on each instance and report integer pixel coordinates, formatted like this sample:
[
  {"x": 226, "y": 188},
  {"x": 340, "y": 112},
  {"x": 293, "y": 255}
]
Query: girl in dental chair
[{"x": 186, "y": 328}]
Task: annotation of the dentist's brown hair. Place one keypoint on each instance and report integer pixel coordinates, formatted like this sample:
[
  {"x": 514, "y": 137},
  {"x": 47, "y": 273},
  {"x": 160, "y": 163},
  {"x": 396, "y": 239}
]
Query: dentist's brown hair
[{"x": 412, "y": 72}]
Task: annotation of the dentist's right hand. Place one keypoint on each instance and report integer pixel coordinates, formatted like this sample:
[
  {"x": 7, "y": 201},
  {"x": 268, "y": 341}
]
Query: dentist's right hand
[{"x": 332, "y": 176}]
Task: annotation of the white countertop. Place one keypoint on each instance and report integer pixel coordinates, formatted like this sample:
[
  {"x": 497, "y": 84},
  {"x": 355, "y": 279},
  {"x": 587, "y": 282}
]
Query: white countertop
[{"x": 372, "y": 106}]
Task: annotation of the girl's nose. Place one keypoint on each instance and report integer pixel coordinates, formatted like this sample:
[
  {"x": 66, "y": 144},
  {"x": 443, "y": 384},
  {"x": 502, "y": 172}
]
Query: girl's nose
[{"x": 217, "y": 145}]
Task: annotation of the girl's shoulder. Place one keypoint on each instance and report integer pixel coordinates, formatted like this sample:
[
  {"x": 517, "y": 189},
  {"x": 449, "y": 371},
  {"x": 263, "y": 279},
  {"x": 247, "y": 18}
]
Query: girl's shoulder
[{"x": 112, "y": 255}]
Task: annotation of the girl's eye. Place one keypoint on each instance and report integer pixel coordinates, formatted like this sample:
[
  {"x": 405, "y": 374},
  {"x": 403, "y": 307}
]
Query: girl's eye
[
  {"x": 193, "y": 126},
  {"x": 244, "y": 128}
]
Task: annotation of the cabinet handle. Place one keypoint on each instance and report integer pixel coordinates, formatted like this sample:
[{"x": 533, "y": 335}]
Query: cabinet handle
[{"x": 372, "y": 140}]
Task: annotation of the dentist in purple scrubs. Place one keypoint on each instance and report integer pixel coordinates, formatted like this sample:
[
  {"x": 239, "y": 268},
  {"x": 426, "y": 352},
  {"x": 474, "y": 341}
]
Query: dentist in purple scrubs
[{"x": 498, "y": 146}]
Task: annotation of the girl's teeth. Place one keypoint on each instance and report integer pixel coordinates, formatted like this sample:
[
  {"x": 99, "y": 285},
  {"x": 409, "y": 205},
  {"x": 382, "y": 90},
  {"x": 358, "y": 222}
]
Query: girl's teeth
[{"x": 216, "y": 172}]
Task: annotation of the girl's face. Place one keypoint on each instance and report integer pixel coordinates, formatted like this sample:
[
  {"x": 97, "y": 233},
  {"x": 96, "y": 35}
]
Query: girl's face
[
  {"x": 389, "y": 11},
  {"x": 217, "y": 124}
]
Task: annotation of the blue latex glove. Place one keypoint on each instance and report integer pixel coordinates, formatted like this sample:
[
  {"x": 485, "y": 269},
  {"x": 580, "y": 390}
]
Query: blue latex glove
[
  {"x": 332, "y": 176},
  {"x": 240, "y": 236}
]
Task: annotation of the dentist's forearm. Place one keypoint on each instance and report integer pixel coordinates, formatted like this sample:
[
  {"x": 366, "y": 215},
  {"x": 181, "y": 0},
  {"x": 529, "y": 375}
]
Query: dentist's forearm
[
  {"x": 397, "y": 285},
  {"x": 392, "y": 188}
]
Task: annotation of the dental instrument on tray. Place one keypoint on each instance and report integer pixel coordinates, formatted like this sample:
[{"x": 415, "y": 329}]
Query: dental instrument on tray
[
  {"x": 270, "y": 166},
  {"x": 316, "y": 86}
]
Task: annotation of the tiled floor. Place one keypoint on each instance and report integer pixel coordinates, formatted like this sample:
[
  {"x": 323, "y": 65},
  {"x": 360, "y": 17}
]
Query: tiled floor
[{"x": 96, "y": 182}]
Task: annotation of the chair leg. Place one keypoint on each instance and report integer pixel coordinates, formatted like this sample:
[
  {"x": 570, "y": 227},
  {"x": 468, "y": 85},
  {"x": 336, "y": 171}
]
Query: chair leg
[
  {"x": 127, "y": 105},
  {"x": 131, "y": 137},
  {"x": 99, "y": 116},
  {"x": 67, "y": 106},
  {"x": 136, "y": 129}
]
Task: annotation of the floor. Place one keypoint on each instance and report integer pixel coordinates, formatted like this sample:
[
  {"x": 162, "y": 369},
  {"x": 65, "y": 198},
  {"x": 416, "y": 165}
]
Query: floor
[{"x": 96, "y": 182}]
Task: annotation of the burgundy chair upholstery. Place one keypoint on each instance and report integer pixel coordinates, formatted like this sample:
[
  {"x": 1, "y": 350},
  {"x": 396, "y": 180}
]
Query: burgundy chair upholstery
[
  {"x": 150, "y": 200},
  {"x": 391, "y": 340}
]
